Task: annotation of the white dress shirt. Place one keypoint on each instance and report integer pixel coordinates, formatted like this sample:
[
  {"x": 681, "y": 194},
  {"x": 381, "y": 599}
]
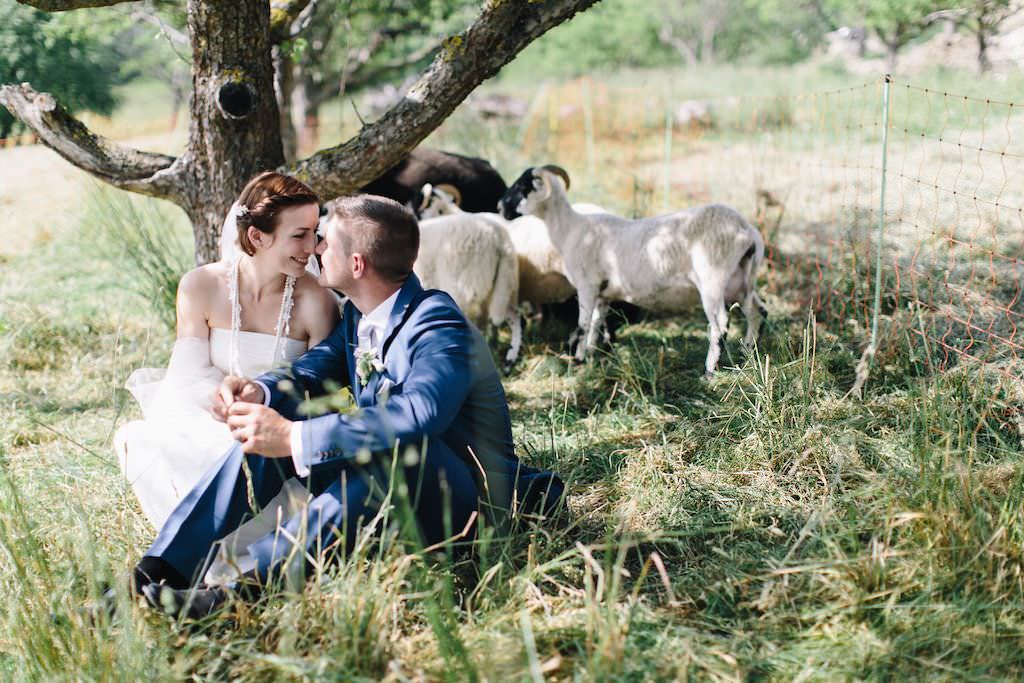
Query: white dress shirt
[{"x": 369, "y": 335}]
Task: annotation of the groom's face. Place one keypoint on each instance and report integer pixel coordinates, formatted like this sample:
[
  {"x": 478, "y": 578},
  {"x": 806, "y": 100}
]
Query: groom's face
[{"x": 335, "y": 260}]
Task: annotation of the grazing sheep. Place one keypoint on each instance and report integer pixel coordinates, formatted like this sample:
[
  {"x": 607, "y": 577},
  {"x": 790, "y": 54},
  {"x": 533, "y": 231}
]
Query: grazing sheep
[
  {"x": 542, "y": 278},
  {"x": 471, "y": 257},
  {"x": 708, "y": 254}
]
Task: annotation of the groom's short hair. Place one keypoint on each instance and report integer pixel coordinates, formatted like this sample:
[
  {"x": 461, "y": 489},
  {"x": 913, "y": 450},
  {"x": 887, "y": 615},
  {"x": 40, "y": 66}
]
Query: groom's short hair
[{"x": 383, "y": 231}]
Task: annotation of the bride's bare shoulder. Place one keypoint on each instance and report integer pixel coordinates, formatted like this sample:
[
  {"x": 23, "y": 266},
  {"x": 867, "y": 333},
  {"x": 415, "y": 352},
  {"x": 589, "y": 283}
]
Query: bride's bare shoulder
[
  {"x": 202, "y": 281},
  {"x": 311, "y": 295},
  {"x": 313, "y": 304}
]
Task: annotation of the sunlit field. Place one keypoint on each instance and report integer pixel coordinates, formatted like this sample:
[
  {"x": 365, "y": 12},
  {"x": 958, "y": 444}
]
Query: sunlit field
[{"x": 768, "y": 523}]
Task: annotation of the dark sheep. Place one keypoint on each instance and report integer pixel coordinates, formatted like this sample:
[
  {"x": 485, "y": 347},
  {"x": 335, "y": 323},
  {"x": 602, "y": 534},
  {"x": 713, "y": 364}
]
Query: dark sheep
[{"x": 479, "y": 184}]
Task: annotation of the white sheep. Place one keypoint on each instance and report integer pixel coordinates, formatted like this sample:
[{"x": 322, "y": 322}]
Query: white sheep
[
  {"x": 708, "y": 254},
  {"x": 471, "y": 257},
  {"x": 542, "y": 275}
]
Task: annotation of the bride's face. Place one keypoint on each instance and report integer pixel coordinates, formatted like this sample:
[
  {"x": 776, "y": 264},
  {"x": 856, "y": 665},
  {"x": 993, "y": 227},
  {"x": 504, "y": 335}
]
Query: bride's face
[{"x": 293, "y": 241}]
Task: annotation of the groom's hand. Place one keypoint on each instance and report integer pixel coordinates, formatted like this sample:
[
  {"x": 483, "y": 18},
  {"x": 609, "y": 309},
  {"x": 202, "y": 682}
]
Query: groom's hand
[
  {"x": 260, "y": 430},
  {"x": 233, "y": 389}
]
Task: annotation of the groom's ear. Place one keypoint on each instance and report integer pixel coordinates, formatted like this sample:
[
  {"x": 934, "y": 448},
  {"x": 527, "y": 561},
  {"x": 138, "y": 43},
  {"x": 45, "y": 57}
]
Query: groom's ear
[{"x": 358, "y": 264}]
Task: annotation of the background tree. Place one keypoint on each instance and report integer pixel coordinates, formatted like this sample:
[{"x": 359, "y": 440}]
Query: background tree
[
  {"x": 897, "y": 22},
  {"x": 982, "y": 19},
  {"x": 234, "y": 128},
  {"x": 691, "y": 28},
  {"x": 351, "y": 44},
  {"x": 79, "y": 63}
]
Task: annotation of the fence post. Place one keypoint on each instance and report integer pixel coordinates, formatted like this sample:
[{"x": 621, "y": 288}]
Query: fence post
[
  {"x": 864, "y": 365},
  {"x": 881, "y": 211}
]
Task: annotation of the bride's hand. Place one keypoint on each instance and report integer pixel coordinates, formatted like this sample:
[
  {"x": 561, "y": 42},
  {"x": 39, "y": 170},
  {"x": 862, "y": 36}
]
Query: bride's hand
[
  {"x": 260, "y": 430},
  {"x": 232, "y": 389}
]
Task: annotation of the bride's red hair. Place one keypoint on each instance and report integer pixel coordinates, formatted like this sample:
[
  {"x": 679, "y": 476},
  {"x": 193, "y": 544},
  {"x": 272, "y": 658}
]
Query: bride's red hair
[{"x": 263, "y": 198}]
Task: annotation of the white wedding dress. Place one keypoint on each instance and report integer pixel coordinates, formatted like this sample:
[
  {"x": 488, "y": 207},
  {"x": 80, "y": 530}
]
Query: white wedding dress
[{"x": 165, "y": 454}]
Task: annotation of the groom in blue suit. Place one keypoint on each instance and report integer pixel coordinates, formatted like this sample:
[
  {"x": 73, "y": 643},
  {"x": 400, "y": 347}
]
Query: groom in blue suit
[{"x": 427, "y": 389}]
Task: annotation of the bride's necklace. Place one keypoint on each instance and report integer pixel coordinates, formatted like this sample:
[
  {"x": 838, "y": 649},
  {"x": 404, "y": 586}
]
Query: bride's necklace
[{"x": 280, "y": 330}]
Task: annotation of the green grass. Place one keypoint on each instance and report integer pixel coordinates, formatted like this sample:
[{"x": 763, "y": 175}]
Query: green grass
[{"x": 763, "y": 525}]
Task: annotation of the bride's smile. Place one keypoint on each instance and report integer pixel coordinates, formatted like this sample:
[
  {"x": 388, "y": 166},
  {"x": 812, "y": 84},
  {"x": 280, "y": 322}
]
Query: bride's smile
[{"x": 293, "y": 240}]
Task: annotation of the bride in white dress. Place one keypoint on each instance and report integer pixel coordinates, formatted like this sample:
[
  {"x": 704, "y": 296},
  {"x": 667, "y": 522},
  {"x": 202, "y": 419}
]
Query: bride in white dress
[{"x": 255, "y": 309}]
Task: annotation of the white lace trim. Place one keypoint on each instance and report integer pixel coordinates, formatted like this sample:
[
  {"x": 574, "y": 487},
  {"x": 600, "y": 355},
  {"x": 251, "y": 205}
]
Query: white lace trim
[{"x": 280, "y": 330}]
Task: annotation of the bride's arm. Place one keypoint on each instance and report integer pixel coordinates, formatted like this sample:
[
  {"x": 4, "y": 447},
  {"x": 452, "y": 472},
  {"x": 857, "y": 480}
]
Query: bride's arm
[{"x": 192, "y": 305}]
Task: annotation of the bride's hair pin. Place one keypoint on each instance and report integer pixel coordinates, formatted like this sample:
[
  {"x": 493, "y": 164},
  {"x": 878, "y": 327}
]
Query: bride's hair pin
[{"x": 242, "y": 211}]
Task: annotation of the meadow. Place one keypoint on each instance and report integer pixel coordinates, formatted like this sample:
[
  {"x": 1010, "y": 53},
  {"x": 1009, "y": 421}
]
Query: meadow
[{"x": 767, "y": 524}]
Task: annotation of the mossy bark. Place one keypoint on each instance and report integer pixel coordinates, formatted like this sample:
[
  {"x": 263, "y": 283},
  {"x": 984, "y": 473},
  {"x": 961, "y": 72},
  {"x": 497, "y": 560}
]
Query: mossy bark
[{"x": 234, "y": 130}]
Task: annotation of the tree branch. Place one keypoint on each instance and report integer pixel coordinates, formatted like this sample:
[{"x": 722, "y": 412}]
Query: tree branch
[
  {"x": 359, "y": 77},
  {"x": 65, "y": 5},
  {"x": 283, "y": 13},
  {"x": 129, "y": 169},
  {"x": 175, "y": 37},
  {"x": 502, "y": 30}
]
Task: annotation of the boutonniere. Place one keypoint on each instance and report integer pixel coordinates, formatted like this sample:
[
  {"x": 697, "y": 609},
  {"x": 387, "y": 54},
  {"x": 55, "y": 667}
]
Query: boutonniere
[{"x": 367, "y": 364}]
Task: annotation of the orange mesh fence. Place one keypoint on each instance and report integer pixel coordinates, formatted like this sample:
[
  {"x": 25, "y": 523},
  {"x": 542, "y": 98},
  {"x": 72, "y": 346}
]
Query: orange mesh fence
[{"x": 807, "y": 170}]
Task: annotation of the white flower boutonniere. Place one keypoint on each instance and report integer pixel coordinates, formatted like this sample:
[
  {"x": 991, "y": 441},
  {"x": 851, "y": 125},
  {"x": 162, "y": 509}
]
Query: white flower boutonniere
[{"x": 367, "y": 364}]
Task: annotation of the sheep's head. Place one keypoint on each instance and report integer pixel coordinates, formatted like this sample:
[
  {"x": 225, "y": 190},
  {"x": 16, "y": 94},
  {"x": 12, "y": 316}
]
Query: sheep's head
[
  {"x": 532, "y": 188},
  {"x": 438, "y": 200}
]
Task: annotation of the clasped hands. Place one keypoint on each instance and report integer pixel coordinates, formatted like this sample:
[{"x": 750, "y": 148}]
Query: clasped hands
[{"x": 239, "y": 402}]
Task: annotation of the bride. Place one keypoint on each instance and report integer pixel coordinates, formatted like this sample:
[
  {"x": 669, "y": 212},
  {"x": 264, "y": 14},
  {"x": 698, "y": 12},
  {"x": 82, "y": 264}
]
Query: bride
[{"x": 253, "y": 310}]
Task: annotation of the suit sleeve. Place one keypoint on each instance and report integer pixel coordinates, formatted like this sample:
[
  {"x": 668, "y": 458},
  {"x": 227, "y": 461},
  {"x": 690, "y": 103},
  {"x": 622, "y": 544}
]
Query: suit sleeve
[
  {"x": 424, "y": 405},
  {"x": 323, "y": 363}
]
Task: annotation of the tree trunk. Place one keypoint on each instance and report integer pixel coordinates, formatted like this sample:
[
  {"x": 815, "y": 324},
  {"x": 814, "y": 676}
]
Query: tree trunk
[
  {"x": 708, "y": 31},
  {"x": 892, "y": 49},
  {"x": 983, "y": 62},
  {"x": 306, "y": 113},
  {"x": 235, "y": 126},
  {"x": 284, "y": 87}
]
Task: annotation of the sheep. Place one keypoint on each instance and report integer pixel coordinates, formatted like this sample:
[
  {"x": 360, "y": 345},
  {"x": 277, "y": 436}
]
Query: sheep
[
  {"x": 542, "y": 278},
  {"x": 471, "y": 257},
  {"x": 481, "y": 186},
  {"x": 707, "y": 254}
]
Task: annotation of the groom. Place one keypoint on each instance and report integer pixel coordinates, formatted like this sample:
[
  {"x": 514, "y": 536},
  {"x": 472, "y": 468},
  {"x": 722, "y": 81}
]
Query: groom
[{"x": 427, "y": 389}]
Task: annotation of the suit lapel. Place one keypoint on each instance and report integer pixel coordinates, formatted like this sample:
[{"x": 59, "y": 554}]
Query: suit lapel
[
  {"x": 351, "y": 325},
  {"x": 367, "y": 395},
  {"x": 410, "y": 290}
]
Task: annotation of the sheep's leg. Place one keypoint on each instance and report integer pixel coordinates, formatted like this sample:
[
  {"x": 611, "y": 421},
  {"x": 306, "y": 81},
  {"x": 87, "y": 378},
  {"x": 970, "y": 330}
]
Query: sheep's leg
[
  {"x": 718, "y": 325},
  {"x": 596, "y": 323},
  {"x": 515, "y": 322},
  {"x": 588, "y": 304},
  {"x": 755, "y": 312}
]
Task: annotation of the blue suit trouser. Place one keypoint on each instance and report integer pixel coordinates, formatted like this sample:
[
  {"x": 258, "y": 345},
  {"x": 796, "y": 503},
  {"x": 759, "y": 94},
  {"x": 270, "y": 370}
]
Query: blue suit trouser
[{"x": 439, "y": 489}]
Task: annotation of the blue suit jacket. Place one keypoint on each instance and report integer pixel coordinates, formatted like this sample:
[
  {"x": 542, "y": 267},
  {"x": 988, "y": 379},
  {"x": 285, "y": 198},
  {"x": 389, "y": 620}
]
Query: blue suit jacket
[{"x": 442, "y": 384}]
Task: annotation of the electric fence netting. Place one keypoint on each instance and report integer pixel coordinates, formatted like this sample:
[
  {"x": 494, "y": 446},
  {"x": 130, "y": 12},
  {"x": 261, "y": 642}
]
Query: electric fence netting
[{"x": 938, "y": 275}]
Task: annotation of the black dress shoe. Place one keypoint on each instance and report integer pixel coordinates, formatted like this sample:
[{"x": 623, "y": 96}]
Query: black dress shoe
[
  {"x": 191, "y": 603},
  {"x": 155, "y": 570}
]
